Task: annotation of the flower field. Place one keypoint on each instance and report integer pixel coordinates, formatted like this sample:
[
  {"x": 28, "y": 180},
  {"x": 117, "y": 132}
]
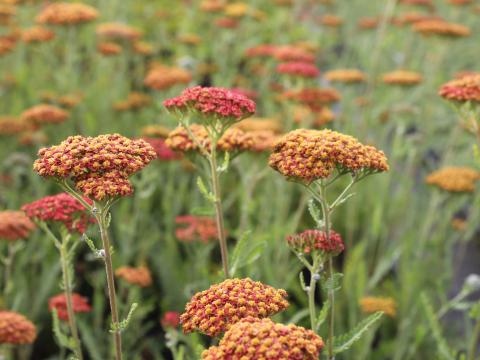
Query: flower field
[{"x": 225, "y": 180}]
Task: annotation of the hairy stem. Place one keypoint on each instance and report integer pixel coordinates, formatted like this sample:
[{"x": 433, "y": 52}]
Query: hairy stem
[
  {"x": 67, "y": 288},
  {"x": 472, "y": 349},
  {"x": 8, "y": 262},
  {"x": 218, "y": 208},
  {"x": 311, "y": 295},
  {"x": 102, "y": 222}
]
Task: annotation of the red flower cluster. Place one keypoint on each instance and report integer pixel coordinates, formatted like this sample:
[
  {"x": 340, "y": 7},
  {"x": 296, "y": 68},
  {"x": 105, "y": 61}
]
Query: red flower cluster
[
  {"x": 201, "y": 228},
  {"x": 59, "y": 302},
  {"x": 164, "y": 153},
  {"x": 311, "y": 240},
  {"x": 213, "y": 311},
  {"x": 171, "y": 319},
  {"x": 254, "y": 339},
  {"x": 303, "y": 69},
  {"x": 16, "y": 329},
  {"x": 99, "y": 166},
  {"x": 212, "y": 101},
  {"x": 466, "y": 88},
  {"x": 61, "y": 208}
]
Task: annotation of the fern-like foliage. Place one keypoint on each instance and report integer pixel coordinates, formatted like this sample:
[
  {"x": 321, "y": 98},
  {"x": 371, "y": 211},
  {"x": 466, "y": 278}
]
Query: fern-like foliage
[
  {"x": 345, "y": 341},
  {"x": 444, "y": 350}
]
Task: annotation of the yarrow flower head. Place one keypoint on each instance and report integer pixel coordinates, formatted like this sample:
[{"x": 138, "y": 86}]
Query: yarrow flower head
[
  {"x": 59, "y": 303},
  {"x": 139, "y": 276},
  {"x": 45, "y": 114},
  {"x": 345, "y": 76},
  {"x": 252, "y": 339},
  {"x": 233, "y": 140},
  {"x": 313, "y": 97},
  {"x": 16, "y": 329},
  {"x": 215, "y": 310},
  {"x": 63, "y": 13},
  {"x": 372, "y": 304},
  {"x": 308, "y": 155},
  {"x": 37, "y": 34},
  {"x": 201, "y": 228},
  {"x": 164, "y": 153},
  {"x": 161, "y": 77},
  {"x": 99, "y": 166},
  {"x": 171, "y": 319},
  {"x": 118, "y": 31},
  {"x": 454, "y": 179},
  {"x": 402, "y": 78},
  {"x": 310, "y": 241},
  {"x": 15, "y": 225},
  {"x": 61, "y": 208},
  {"x": 12, "y": 126},
  {"x": 301, "y": 69},
  {"x": 211, "y": 102},
  {"x": 466, "y": 88},
  {"x": 441, "y": 28}
]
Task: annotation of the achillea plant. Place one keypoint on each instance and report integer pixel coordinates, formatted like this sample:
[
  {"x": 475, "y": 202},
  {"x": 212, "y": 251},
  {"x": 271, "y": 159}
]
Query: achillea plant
[
  {"x": 316, "y": 159},
  {"x": 300, "y": 69},
  {"x": 216, "y": 309},
  {"x": 402, "y": 78},
  {"x": 441, "y": 28},
  {"x": 108, "y": 48},
  {"x": 16, "y": 329},
  {"x": 139, "y": 276},
  {"x": 37, "y": 34},
  {"x": 62, "y": 13},
  {"x": 164, "y": 153},
  {"x": 216, "y": 109},
  {"x": 99, "y": 168},
  {"x": 252, "y": 338},
  {"x": 60, "y": 216},
  {"x": 45, "y": 114},
  {"x": 372, "y": 304},
  {"x": 117, "y": 31},
  {"x": 196, "y": 228},
  {"x": 11, "y": 126},
  {"x": 134, "y": 101},
  {"x": 345, "y": 76},
  {"x": 454, "y": 179},
  {"x": 162, "y": 77},
  {"x": 60, "y": 303}
]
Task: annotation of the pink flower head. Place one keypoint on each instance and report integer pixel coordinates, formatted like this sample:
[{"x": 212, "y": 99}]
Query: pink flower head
[
  {"x": 171, "y": 319},
  {"x": 264, "y": 50},
  {"x": 303, "y": 69},
  {"x": 164, "y": 153},
  {"x": 212, "y": 102},
  {"x": 61, "y": 208},
  {"x": 312, "y": 240},
  {"x": 59, "y": 302},
  {"x": 201, "y": 228}
]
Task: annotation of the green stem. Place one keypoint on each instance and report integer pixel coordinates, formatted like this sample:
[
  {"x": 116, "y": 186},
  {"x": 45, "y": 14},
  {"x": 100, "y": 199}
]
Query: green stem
[
  {"x": 101, "y": 219},
  {"x": 8, "y": 261},
  {"x": 474, "y": 341},
  {"x": 311, "y": 295},
  {"x": 212, "y": 159},
  {"x": 67, "y": 285}
]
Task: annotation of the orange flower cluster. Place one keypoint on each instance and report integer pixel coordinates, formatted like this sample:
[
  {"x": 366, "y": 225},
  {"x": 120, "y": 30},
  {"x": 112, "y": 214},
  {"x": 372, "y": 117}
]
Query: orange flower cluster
[
  {"x": 345, "y": 76},
  {"x": 59, "y": 302},
  {"x": 313, "y": 97},
  {"x": 99, "y": 166},
  {"x": 108, "y": 48},
  {"x": 441, "y": 28},
  {"x": 262, "y": 140},
  {"x": 212, "y": 6},
  {"x": 466, "y": 88},
  {"x": 316, "y": 116},
  {"x": 45, "y": 114},
  {"x": 331, "y": 20},
  {"x": 134, "y": 101},
  {"x": 162, "y": 77},
  {"x": 11, "y": 126},
  {"x": 215, "y": 310},
  {"x": 373, "y": 304},
  {"x": 6, "y": 45},
  {"x": 234, "y": 140},
  {"x": 308, "y": 155},
  {"x": 118, "y": 31},
  {"x": 63, "y": 13},
  {"x": 402, "y": 77},
  {"x": 368, "y": 23},
  {"x": 260, "y": 124},
  {"x": 139, "y": 276},
  {"x": 16, "y": 329},
  {"x": 37, "y": 34},
  {"x": 201, "y": 228},
  {"x": 155, "y": 131},
  {"x": 454, "y": 179},
  {"x": 460, "y": 2},
  {"x": 15, "y": 225},
  {"x": 255, "y": 339},
  {"x": 293, "y": 53}
]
